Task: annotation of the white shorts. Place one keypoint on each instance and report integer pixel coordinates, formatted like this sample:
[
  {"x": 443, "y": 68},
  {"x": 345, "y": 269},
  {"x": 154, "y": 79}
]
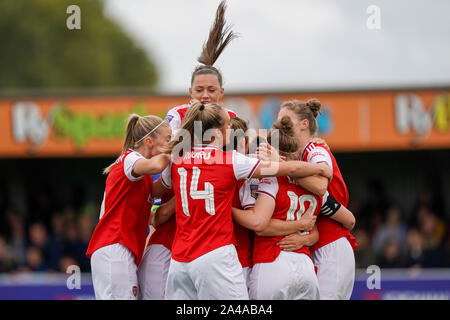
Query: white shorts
[
  {"x": 247, "y": 271},
  {"x": 114, "y": 273},
  {"x": 152, "y": 272},
  {"x": 335, "y": 264},
  {"x": 216, "y": 275},
  {"x": 290, "y": 276}
]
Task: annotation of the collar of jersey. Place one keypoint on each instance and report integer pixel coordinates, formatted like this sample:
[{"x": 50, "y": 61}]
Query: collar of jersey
[{"x": 129, "y": 149}]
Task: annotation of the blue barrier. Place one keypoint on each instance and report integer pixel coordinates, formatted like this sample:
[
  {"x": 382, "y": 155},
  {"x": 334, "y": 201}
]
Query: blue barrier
[
  {"x": 394, "y": 284},
  {"x": 403, "y": 284}
]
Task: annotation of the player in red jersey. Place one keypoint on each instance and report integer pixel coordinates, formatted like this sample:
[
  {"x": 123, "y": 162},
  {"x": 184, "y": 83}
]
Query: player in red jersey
[
  {"x": 118, "y": 241},
  {"x": 279, "y": 274},
  {"x": 333, "y": 254},
  {"x": 204, "y": 262},
  {"x": 206, "y": 86},
  {"x": 243, "y": 199},
  {"x": 206, "y": 80}
]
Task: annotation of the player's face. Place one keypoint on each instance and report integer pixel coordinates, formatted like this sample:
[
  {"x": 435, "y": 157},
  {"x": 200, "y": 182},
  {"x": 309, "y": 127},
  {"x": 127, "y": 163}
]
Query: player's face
[
  {"x": 161, "y": 139},
  {"x": 206, "y": 88}
]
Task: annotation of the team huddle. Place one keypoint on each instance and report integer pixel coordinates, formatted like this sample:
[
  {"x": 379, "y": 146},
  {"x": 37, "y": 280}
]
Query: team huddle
[{"x": 241, "y": 216}]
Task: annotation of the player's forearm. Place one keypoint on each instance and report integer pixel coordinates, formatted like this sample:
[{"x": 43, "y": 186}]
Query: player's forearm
[
  {"x": 300, "y": 169},
  {"x": 164, "y": 213},
  {"x": 249, "y": 219},
  {"x": 277, "y": 227},
  {"x": 295, "y": 169},
  {"x": 311, "y": 238},
  {"x": 316, "y": 184},
  {"x": 345, "y": 217},
  {"x": 158, "y": 188},
  {"x": 151, "y": 166}
]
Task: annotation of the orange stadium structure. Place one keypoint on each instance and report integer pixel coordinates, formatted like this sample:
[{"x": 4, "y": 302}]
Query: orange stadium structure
[{"x": 384, "y": 120}]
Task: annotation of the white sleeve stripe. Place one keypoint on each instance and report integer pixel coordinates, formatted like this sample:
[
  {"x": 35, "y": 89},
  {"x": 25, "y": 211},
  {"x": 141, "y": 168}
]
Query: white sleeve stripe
[
  {"x": 132, "y": 168},
  {"x": 270, "y": 195},
  {"x": 254, "y": 169},
  {"x": 248, "y": 206},
  {"x": 129, "y": 162},
  {"x": 164, "y": 183}
]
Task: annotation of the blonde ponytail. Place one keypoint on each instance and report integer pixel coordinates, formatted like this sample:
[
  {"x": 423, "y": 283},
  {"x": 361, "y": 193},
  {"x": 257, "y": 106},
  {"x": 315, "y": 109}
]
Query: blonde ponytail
[{"x": 137, "y": 128}]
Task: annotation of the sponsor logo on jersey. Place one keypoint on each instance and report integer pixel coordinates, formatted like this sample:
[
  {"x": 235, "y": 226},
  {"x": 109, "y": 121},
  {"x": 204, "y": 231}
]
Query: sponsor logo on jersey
[{"x": 317, "y": 153}]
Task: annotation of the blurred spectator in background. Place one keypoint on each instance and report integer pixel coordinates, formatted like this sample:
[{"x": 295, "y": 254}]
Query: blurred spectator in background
[
  {"x": 382, "y": 235},
  {"x": 56, "y": 245},
  {"x": 65, "y": 262},
  {"x": 35, "y": 260},
  {"x": 391, "y": 229},
  {"x": 38, "y": 239},
  {"x": 85, "y": 228},
  {"x": 391, "y": 255},
  {"x": 17, "y": 236},
  {"x": 7, "y": 261},
  {"x": 432, "y": 231},
  {"x": 72, "y": 244},
  {"x": 414, "y": 249},
  {"x": 364, "y": 256}
]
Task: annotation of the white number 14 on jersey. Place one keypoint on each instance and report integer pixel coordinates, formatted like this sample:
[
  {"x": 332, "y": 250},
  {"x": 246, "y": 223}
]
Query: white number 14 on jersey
[{"x": 207, "y": 194}]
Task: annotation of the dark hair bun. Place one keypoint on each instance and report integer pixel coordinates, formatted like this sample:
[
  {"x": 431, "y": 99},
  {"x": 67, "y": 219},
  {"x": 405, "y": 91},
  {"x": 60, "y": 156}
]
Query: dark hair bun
[
  {"x": 286, "y": 126},
  {"x": 315, "y": 106},
  {"x": 287, "y": 140}
]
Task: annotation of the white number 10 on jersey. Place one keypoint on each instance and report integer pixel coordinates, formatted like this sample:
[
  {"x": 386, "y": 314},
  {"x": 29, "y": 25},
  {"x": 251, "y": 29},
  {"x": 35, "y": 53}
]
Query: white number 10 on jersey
[
  {"x": 293, "y": 213},
  {"x": 207, "y": 194}
]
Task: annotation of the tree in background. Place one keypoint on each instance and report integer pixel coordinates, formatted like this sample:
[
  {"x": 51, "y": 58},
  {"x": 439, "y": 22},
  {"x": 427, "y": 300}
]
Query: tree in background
[{"x": 39, "y": 51}]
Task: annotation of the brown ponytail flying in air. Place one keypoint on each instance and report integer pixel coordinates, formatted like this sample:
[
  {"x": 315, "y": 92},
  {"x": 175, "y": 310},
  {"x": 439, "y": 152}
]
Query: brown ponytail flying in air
[{"x": 219, "y": 37}]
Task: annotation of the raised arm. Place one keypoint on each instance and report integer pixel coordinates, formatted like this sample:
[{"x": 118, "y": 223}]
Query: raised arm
[
  {"x": 153, "y": 165},
  {"x": 316, "y": 184},
  {"x": 295, "y": 169}
]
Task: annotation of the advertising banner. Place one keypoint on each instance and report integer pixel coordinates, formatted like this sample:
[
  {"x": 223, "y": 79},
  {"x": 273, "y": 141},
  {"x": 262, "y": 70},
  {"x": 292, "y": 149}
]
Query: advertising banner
[{"x": 350, "y": 121}]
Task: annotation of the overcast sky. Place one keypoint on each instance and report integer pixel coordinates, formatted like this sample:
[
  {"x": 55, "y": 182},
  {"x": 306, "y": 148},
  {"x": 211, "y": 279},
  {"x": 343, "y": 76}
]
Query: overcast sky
[{"x": 296, "y": 44}]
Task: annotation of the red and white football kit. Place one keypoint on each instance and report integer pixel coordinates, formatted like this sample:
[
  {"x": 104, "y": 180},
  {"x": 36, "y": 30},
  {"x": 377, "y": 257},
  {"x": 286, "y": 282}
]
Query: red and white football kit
[
  {"x": 333, "y": 254},
  {"x": 204, "y": 262},
  {"x": 152, "y": 273},
  {"x": 176, "y": 115},
  {"x": 118, "y": 241},
  {"x": 244, "y": 198},
  {"x": 278, "y": 274},
  {"x": 154, "y": 267}
]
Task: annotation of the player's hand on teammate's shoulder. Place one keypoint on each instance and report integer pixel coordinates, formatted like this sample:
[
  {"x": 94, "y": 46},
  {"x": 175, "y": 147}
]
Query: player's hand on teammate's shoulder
[
  {"x": 317, "y": 140},
  {"x": 265, "y": 152}
]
